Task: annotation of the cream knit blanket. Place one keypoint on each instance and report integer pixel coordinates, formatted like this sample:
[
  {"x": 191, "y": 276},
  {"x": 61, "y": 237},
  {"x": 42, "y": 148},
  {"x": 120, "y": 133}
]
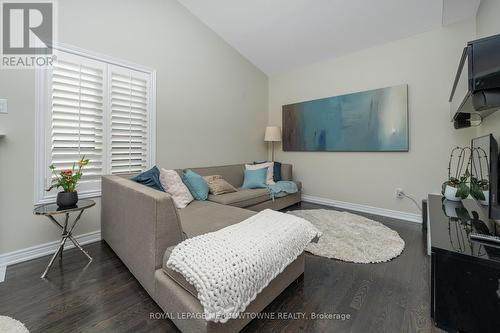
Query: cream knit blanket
[{"x": 231, "y": 266}]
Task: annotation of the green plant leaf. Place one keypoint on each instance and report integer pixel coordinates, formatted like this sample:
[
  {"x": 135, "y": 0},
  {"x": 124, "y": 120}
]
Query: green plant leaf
[
  {"x": 476, "y": 192},
  {"x": 462, "y": 191}
]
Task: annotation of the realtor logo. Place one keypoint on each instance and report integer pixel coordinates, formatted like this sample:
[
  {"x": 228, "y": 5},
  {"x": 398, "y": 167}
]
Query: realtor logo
[{"x": 27, "y": 33}]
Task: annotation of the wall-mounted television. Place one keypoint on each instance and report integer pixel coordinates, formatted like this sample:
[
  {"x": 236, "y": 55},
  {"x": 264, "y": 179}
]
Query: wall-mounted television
[{"x": 484, "y": 169}]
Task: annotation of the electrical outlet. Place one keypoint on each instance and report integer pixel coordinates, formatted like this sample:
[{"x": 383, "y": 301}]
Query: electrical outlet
[
  {"x": 399, "y": 193},
  {"x": 3, "y": 105}
]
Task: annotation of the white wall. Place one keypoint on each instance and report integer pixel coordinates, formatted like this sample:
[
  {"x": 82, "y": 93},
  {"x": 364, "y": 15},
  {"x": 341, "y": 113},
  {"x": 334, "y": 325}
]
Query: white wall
[
  {"x": 427, "y": 63},
  {"x": 488, "y": 23},
  {"x": 211, "y": 102}
]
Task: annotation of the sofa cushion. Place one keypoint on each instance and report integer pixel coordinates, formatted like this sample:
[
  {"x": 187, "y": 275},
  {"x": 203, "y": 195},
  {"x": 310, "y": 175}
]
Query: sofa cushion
[
  {"x": 174, "y": 186},
  {"x": 233, "y": 174},
  {"x": 217, "y": 185},
  {"x": 242, "y": 198},
  {"x": 196, "y": 184},
  {"x": 255, "y": 178},
  {"x": 200, "y": 217},
  {"x": 276, "y": 170},
  {"x": 150, "y": 178},
  {"x": 176, "y": 276},
  {"x": 270, "y": 170}
]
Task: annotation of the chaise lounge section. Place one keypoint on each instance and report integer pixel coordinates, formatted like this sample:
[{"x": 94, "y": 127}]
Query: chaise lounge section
[{"x": 142, "y": 226}]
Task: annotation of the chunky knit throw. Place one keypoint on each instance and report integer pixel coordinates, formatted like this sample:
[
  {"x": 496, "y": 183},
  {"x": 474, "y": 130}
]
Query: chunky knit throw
[{"x": 231, "y": 266}]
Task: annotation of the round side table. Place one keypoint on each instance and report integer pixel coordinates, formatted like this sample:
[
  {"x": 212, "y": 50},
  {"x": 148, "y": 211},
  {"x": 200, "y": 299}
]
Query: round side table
[{"x": 51, "y": 210}]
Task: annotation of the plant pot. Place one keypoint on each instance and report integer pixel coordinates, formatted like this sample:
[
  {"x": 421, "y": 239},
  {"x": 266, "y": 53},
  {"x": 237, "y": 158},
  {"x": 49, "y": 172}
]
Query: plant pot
[
  {"x": 67, "y": 199},
  {"x": 450, "y": 208},
  {"x": 486, "y": 200},
  {"x": 450, "y": 193}
]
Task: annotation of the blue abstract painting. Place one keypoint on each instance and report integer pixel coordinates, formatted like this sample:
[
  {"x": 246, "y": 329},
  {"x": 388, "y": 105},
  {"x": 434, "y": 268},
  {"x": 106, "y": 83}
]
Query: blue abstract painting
[{"x": 368, "y": 121}]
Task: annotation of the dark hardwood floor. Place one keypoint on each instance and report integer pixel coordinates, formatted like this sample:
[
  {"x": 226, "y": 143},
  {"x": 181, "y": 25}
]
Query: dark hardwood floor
[{"x": 105, "y": 297}]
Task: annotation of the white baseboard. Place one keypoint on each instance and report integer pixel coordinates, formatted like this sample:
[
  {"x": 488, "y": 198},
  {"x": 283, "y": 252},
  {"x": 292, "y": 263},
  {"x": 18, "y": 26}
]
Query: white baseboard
[
  {"x": 41, "y": 250},
  {"x": 412, "y": 217}
]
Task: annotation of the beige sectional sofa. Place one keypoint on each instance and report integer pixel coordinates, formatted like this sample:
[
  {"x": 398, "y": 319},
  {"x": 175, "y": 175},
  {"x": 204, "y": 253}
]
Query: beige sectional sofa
[{"x": 142, "y": 226}]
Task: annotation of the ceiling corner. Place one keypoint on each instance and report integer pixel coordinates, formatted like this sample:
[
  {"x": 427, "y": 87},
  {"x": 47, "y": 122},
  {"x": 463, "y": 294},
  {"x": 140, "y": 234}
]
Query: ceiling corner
[{"x": 459, "y": 10}]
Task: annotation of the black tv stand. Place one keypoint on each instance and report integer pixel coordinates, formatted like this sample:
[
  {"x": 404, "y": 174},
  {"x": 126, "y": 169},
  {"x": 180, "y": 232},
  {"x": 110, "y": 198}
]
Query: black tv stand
[{"x": 465, "y": 274}]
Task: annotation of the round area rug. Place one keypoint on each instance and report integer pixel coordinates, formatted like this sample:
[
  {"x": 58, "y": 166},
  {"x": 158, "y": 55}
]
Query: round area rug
[
  {"x": 10, "y": 325},
  {"x": 351, "y": 237}
]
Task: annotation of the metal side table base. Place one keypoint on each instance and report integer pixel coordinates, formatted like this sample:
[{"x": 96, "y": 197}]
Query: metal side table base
[{"x": 67, "y": 230}]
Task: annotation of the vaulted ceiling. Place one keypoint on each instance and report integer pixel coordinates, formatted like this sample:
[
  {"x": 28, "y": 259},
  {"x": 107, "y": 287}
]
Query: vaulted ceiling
[{"x": 278, "y": 35}]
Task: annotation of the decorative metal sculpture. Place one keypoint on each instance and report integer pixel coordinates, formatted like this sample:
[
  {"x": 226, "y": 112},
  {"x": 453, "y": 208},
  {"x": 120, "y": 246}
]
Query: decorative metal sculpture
[
  {"x": 479, "y": 182},
  {"x": 456, "y": 187}
]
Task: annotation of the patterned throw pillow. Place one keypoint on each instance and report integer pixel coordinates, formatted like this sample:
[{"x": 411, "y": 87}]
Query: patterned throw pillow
[
  {"x": 218, "y": 185},
  {"x": 172, "y": 182}
]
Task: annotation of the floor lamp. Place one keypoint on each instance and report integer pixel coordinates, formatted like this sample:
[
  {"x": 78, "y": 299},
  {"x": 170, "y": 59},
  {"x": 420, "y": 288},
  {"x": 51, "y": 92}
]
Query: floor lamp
[{"x": 273, "y": 134}]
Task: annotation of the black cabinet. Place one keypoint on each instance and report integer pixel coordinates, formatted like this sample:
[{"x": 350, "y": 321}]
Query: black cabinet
[{"x": 465, "y": 275}]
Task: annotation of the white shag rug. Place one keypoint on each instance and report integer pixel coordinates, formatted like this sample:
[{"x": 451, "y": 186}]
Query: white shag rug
[
  {"x": 10, "y": 325},
  {"x": 351, "y": 237}
]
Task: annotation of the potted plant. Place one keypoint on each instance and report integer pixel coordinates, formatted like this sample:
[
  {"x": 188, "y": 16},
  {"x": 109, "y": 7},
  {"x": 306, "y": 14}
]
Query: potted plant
[
  {"x": 480, "y": 190},
  {"x": 456, "y": 189},
  {"x": 68, "y": 180}
]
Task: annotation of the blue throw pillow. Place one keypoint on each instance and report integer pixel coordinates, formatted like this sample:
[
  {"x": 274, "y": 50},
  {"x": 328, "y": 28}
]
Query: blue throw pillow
[
  {"x": 276, "y": 170},
  {"x": 150, "y": 178},
  {"x": 196, "y": 184},
  {"x": 255, "y": 178}
]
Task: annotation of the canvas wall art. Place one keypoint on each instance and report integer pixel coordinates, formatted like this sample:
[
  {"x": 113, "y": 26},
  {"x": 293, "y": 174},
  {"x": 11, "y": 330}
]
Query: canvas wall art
[{"x": 368, "y": 121}]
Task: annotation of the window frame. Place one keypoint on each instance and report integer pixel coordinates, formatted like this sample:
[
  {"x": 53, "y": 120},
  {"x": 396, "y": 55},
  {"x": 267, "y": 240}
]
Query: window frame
[{"x": 43, "y": 117}]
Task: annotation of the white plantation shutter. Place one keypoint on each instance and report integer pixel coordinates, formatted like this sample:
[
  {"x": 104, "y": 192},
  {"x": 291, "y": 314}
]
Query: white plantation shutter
[
  {"x": 77, "y": 105},
  {"x": 129, "y": 111},
  {"x": 97, "y": 107}
]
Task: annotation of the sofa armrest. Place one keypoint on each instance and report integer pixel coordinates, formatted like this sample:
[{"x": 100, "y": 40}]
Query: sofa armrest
[
  {"x": 286, "y": 172},
  {"x": 138, "y": 223}
]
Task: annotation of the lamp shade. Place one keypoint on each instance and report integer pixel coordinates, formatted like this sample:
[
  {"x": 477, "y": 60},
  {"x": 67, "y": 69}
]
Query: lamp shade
[{"x": 273, "y": 133}]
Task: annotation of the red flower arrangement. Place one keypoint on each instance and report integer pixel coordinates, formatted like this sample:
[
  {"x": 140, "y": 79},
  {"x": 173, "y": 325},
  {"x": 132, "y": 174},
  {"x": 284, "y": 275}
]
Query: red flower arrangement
[{"x": 68, "y": 179}]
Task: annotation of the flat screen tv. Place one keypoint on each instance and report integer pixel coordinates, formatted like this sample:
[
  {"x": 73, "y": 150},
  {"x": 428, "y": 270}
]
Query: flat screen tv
[{"x": 484, "y": 169}]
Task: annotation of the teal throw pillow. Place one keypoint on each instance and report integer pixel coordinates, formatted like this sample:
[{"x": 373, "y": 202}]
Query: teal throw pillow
[
  {"x": 255, "y": 178},
  {"x": 196, "y": 184}
]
